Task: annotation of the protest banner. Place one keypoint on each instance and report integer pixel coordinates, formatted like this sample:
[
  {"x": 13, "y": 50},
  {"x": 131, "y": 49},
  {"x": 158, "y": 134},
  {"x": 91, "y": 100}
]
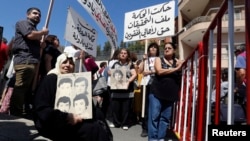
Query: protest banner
[
  {"x": 151, "y": 22},
  {"x": 97, "y": 11},
  {"x": 79, "y": 33}
]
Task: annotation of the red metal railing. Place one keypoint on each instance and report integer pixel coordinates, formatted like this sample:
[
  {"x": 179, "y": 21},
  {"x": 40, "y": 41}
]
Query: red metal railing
[{"x": 191, "y": 122}]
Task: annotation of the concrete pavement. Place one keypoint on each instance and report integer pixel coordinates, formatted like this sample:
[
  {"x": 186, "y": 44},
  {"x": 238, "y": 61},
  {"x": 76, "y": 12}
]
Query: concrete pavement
[{"x": 20, "y": 129}]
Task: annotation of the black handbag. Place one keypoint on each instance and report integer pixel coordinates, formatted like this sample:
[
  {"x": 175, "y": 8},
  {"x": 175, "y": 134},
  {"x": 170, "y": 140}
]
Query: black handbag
[{"x": 99, "y": 86}]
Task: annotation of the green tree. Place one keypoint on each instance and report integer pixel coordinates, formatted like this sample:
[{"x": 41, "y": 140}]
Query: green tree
[
  {"x": 107, "y": 47},
  {"x": 123, "y": 44},
  {"x": 136, "y": 46},
  {"x": 98, "y": 50}
]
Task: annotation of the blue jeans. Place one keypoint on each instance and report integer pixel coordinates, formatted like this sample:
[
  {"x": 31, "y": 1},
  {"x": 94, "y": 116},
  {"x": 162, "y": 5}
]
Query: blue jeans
[{"x": 159, "y": 117}]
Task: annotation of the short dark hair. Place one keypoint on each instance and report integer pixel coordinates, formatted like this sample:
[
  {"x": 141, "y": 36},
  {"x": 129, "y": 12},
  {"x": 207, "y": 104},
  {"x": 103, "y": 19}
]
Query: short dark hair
[
  {"x": 79, "y": 97},
  {"x": 102, "y": 64},
  {"x": 240, "y": 48},
  {"x": 32, "y": 8},
  {"x": 65, "y": 80},
  {"x": 50, "y": 39},
  {"x": 63, "y": 99},
  {"x": 80, "y": 79}
]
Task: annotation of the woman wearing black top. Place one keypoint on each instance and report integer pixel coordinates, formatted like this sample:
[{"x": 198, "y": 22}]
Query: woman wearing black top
[
  {"x": 164, "y": 92},
  {"x": 62, "y": 126},
  {"x": 49, "y": 55}
]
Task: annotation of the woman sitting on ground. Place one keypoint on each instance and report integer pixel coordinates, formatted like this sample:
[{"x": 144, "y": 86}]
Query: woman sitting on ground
[{"x": 57, "y": 125}]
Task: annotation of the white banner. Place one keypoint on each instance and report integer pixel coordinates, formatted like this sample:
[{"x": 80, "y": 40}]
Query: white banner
[
  {"x": 79, "y": 33},
  {"x": 97, "y": 11},
  {"x": 151, "y": 22}
]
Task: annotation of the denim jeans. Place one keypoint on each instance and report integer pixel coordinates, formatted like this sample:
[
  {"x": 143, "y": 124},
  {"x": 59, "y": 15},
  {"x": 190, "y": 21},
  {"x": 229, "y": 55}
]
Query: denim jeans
[{"x": 159, "y": 117}]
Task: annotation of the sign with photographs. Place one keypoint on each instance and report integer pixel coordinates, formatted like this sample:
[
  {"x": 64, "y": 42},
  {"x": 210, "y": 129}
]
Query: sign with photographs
[
  {"x": 74, "y": 94},
  {"x": 118, "y": 79}
]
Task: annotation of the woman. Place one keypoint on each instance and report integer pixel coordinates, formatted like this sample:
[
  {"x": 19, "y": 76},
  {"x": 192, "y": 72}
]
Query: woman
[
  {"x": 121, "y": 100},
  {"x": 148, "y": 70},
  {"x": 164, "y": 92},
  {"x": 49, "y": 55},
  {"x": 57, "y": 125},
  {"x": 106, "y": 105}
]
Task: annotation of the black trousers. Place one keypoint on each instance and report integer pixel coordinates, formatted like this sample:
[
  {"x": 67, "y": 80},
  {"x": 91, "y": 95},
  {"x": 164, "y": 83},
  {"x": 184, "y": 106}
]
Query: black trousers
[{"x": 120, "y": 111}]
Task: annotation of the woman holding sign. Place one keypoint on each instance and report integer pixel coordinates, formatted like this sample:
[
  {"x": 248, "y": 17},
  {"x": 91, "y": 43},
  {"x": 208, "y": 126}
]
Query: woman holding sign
[
  {"x": 57, "y": 125},
  {"x": 121, "y": 99}
]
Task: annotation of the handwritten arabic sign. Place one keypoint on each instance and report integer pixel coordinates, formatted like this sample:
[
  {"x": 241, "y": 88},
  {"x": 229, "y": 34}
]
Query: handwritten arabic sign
[
  {"x": 97, "y": 11},
  {"x": 151, "y": 22},
  {"x": 79, "y": 33}
]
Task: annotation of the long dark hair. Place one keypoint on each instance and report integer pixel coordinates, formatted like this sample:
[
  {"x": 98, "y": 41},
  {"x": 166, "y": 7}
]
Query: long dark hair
[
  {"x": 154, "y": 44},
  {"x": 50, "y": 39}
]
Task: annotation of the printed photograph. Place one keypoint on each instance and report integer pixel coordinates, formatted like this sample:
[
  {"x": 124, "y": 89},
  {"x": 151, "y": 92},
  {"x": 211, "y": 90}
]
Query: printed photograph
[
  {"x": 118, "y": 79},
  {"x": 74, "y": 94}
]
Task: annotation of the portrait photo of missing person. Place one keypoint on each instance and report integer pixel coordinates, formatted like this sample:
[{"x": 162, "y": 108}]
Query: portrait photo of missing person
[
  {"x": 77, "y": 88},
  {"x": 64, "y": 93},
  {"x": 81, "y": 106},
  {"x": 118, "y": 79},
  {"x": 64, "y": 86},
  {"x": 63, "y": 104},
  {"x": 81, "y": 85}
]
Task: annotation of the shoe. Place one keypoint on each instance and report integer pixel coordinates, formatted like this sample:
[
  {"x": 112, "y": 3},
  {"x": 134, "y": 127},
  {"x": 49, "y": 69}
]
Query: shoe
[
  {"x": 111, "y": 125},
  {"x": 125, "y": 127},
  {"x": 144, "y": 133}
]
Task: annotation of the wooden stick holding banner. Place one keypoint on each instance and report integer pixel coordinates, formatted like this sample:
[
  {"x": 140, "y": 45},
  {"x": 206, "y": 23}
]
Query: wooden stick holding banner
[
  {"x": 42, "y": 40},
  {"x": 144, "y": 86},
  {"x": 48, "y": 16}
]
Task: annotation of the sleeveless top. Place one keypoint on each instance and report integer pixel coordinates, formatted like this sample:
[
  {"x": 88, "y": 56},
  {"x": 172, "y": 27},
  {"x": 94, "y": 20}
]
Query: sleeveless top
[{"x": 166, "y": 87}]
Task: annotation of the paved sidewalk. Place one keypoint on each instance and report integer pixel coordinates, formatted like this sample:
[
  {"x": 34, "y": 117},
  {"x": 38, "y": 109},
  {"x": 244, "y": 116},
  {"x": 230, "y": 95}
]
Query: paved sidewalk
[{"x": 19, "y": 129}]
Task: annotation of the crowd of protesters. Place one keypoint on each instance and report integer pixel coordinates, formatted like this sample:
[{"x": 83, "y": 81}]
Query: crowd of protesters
[{"x": 35, "y": 61}]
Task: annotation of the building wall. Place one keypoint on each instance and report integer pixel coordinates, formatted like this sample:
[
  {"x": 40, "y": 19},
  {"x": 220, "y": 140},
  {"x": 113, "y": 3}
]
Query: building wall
[{"x": 195, "y": 33}]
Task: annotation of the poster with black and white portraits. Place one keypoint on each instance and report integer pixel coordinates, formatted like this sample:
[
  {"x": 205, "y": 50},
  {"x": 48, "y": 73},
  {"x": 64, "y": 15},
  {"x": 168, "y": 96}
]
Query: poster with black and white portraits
[{"x": 73, "y": 94}]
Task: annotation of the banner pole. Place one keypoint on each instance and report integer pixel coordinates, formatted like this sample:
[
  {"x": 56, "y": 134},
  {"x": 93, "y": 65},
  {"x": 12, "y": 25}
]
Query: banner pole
[
  {"x": 41, "y": 50},
  {"x": 48, "y": 16},
  {"x": 144, "y": 86}
]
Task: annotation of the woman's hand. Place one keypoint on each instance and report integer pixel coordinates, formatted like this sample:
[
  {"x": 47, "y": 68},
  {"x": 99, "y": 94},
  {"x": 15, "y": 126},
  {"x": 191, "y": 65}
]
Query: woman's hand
[
  {"x": 74, "y": 119},
  {"x": 145, "y": 56},
  {"x": 179, "y": 64}
]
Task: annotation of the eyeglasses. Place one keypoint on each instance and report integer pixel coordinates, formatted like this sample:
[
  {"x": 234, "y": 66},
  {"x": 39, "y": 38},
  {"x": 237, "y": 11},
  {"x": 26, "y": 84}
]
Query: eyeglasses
[{"x": 168, "y": 48}]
